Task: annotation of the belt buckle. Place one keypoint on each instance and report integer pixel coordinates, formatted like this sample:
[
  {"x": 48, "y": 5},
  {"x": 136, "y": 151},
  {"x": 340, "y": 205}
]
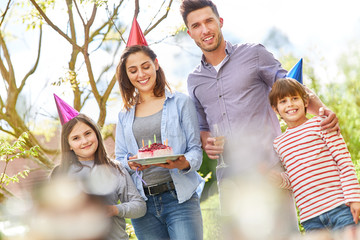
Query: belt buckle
[{"x": 149, "y": 190}]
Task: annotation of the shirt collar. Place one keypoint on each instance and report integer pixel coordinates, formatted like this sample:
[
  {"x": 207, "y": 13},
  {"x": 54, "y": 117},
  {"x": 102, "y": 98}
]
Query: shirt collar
[
  {"x": 228, "y": 50},
  {"x": 169, "y": 94}
]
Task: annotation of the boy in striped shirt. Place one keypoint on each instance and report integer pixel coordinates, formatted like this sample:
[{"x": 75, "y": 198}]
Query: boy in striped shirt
[{"x": 318, "y": 165}]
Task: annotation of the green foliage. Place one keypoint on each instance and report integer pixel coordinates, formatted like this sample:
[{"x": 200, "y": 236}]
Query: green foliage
[
  {"x": 207, "y": 177},
  {"x": 9, "y": 152},
  {"x": 344, "y": 99},
  {"x": 99, "y": 3},
  {"x": 208, "y": 169},
  {"x": 130, "y": 230},
  {"x": 47, "y": 129},
  {"x": 210, "y": 210},
  {"x": 108, "y": 131},
  {"x": 30, "y": 17}
]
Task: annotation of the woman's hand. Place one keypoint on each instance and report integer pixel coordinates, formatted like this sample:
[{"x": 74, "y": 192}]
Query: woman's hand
[
  {"x": 136, "y": 166},
  {"x": 180, "y": 163}
]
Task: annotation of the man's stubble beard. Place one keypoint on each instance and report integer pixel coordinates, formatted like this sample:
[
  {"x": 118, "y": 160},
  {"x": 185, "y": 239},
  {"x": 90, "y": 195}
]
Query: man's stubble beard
[{"x": 214, "y": 48}]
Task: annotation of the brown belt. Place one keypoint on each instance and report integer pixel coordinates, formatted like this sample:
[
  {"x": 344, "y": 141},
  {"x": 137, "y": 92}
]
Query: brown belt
[{"x": 160, "y": 188}]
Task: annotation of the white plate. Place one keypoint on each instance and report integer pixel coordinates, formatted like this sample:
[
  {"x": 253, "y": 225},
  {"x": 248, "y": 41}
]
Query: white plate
[{"x": 154, "y": 160}]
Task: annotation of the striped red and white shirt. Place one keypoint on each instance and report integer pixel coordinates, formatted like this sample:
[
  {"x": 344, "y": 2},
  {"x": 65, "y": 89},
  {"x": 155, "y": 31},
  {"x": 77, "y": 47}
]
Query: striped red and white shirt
[{"x": 318, "y": 167}]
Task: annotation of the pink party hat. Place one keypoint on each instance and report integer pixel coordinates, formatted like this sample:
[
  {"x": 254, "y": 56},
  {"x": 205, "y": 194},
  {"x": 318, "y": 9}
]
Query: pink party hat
[
  {"x": 66, "y": 112},
  {"x": 136, "y": 36}
]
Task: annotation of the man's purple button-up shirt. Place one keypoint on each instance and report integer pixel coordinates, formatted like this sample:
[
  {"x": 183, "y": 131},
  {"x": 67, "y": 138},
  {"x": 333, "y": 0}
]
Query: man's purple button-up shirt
[{"x": 237, "y": 95}]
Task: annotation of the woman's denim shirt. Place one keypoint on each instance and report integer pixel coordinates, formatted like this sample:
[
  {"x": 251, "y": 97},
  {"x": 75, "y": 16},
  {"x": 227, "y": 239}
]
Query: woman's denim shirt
[{"x": 179, "y": 125}]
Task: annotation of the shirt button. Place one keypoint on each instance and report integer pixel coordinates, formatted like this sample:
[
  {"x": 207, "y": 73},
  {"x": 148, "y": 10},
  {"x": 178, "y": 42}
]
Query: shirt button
[
  {"x": 223, "y": 114},
  {"x": 220, "y": 96}
]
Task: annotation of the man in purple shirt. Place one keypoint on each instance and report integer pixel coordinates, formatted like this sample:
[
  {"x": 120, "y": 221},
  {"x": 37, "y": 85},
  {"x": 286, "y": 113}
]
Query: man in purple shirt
[{"x": 230, "y": 87}]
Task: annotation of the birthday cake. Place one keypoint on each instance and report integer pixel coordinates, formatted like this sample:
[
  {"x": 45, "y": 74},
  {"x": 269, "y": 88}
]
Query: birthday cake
[{"x": 154, "y": 150}]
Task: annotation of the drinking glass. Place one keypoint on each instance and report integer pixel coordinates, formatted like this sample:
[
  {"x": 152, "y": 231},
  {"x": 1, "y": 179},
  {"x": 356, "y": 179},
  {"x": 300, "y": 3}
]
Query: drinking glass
[{"x": 217, "y": 131}]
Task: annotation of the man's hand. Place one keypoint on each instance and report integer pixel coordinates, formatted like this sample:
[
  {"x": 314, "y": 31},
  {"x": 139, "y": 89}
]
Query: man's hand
[
  {"x": 134, "y": 165},
  {"x": 275, "y": 177},
  {"x": 214, "y": 147},
  {"x": 355, "y": 211},
  {"x": 180, "y": 163},
  {"x": 331, "y": 122}
]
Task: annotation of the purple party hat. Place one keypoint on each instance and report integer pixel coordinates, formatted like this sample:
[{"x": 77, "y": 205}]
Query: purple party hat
[
  {"x": 296, "y": 72},
  {"x": 66, "y": 112}
]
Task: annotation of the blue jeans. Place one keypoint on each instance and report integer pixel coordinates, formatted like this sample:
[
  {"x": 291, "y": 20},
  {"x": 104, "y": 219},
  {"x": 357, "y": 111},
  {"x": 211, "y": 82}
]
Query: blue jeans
[
  {"x": 334, "y": 219},
  {"x": 167, "y": 219}
]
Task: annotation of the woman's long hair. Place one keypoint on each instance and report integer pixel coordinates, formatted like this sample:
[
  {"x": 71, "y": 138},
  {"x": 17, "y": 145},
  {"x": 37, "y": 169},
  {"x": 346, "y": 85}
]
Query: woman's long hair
[{"x": 129, "y": 93}]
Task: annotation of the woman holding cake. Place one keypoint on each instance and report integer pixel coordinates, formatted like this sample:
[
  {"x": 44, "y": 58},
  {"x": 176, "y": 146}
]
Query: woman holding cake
[{"x": 172, "y": 189}]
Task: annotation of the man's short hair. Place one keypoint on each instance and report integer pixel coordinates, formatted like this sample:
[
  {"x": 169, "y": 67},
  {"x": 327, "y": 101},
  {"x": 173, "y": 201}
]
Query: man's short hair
[{"x": 188, "y": 6}]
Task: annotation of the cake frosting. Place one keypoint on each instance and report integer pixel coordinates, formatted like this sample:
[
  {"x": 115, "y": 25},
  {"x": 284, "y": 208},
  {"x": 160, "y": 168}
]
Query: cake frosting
[{"x": 154, "y": 150}]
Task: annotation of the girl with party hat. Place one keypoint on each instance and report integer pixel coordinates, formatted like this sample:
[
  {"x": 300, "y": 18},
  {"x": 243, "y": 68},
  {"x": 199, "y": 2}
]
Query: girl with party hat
[{"x": 84, "y": 157}]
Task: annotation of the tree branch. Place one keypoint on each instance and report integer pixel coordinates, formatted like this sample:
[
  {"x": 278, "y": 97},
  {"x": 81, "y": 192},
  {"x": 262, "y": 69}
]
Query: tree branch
[
  {"x": 8, "y": 132},
  {"x": 3, "y": 70},
  {"x": 109, "y": 23},
  {"x": 1, "y": 104},
  {"x": 78, "y": 11},
  {"x": 48, "y": 21},
  {"x": 12, "y": 91},
  {"x": 112, "y": 17},
  {"x": 92, "y": 79},
  {"x": 137, "y": 9},
  {"x": 6, "y": 73},
  {"x": 74, "y": 53},
  {"x": 4, "y": 14},
  {"x": 87, "y": 31},
  {"x": 71, "y": 20},
  {"x": 36, "y": 62},
  {"x": 92, "y": 18},
  {"x": 153, "y": 18},
  {"x": 87, "y": 58},
  {"x": 161, "y": 19},
  {"x": 7, "y": 192},
  {"x": 109, "y": 88}
]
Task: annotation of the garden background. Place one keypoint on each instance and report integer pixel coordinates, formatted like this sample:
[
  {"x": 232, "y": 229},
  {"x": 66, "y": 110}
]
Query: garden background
[{"x": 71, "y": 48}]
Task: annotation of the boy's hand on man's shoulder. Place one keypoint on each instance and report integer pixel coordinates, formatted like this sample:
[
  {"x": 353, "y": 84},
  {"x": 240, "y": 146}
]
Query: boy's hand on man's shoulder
[{"x": 355, "y": 210}]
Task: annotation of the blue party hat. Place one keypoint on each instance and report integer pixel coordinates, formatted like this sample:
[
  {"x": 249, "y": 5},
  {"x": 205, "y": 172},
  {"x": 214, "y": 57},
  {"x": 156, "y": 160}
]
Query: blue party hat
[{"x": 296, "y": 72}]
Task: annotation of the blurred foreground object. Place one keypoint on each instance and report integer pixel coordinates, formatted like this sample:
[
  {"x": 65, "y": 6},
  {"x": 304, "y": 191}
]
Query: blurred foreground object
[{"x": 57, "y": 210}]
